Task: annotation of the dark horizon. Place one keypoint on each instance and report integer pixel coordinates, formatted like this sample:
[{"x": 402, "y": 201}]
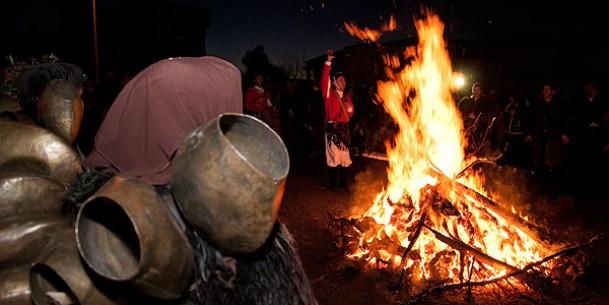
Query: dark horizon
[{"x": 134, "y": 34}]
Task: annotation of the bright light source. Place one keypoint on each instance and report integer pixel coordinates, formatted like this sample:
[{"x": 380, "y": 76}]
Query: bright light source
[{"x": 458, "y": 80}]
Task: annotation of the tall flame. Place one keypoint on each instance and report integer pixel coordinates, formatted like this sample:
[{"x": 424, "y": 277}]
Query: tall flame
[
  {"x": 430, "y": 126},
  {"x": 431, "y": 140}
]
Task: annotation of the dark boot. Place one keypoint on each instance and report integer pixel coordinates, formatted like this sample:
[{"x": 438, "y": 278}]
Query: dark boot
[
  {"x": 333, "y": 177},
  {"x": 343, "y": 176}
]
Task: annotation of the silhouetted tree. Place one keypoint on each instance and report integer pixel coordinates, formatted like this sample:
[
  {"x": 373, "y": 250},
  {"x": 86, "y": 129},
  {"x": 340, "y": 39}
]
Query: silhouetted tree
[{"x": 257, "y": 61}]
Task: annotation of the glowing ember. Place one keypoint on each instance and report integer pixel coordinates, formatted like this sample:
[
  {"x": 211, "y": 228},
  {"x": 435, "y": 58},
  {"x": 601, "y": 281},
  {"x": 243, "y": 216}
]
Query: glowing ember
[{"x": 460, "y": 236}]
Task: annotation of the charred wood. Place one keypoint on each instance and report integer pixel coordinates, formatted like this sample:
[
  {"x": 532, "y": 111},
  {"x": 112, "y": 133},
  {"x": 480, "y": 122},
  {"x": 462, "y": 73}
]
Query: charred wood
[
  {"x": 448, "y": 185},
  {"x": 413, "y": 239},
  {"x": 527, "y": 268},
  {"x": 471, "y": 165},
  {"x": 465, "y": 248}
]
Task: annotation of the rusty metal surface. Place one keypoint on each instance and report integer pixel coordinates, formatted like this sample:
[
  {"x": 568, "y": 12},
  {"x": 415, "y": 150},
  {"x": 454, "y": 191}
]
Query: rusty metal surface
[
  {"x": 26, "y": 238},
  {"x": 60, "y": 109},
  {"x": 23, "y": 194},
  {"x": 228, "y": 179},
  {"x": 63, "y": 272},
  {"x": 15, "y": 286},
  {"x": 30, "y": 149},
  {"x": 126, "y": 233}
]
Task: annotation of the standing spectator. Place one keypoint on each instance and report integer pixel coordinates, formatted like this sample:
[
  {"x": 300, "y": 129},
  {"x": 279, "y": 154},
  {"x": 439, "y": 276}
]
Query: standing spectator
[
  {"x": 516, "y": 127},
  {"x": 479, "y": 114},
  {"x": 592, "y": 133},
  {"x": 257, "y": 102},
  {"x": 290, "y": 117},
  {"x": 591, "y": 122},
  {"x": 551, "y": 134},
  {"x": 313, "y": 122}
]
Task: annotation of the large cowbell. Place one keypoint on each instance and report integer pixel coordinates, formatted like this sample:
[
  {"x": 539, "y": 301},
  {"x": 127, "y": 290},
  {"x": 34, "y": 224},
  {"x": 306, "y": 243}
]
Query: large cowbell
[
  {"x": 60, "y": 109},
  {"x": 27, "y": 149},
  {"x": 228, "y": 180},
  {"x": 127, "y": 234}
]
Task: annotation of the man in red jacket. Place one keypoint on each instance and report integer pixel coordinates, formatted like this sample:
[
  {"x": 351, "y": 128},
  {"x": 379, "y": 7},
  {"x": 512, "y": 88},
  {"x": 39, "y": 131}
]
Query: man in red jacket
[
  {"x": 257, "y": 101},
  {"x": 339, "y": 109}
]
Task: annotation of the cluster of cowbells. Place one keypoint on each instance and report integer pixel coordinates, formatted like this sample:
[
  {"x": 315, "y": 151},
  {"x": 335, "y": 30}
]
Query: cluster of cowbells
[{"x": 125, "y": 246}]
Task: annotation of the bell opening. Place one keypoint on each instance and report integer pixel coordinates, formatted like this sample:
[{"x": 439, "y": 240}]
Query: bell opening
[
  {"x": 257, "y": 143},
  {"x": 108, "y": 240},
  {"x": 47, "y": 287}
]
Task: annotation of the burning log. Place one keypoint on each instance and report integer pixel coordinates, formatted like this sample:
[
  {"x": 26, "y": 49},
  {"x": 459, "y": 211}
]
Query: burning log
[
  {"x": 527, "y": 227},
  {"x": 413, "y": 239},
  {"x": 345, "y": 232},
  {"x": 465, "y": 248},
  {"x": 446, "y": 208},
  {"x": 492, "y": 160},
  {"x": 375, "y": 156},
  {"x": 527, "y": 268},
  {"x": 384, "y": 246},
  {"x": 463, "y": 190},
  {"x": 469, "y": 195}
]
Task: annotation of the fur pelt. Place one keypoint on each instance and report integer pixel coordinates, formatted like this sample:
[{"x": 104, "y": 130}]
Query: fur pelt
[
  {"x": 272, "y": 276},
  {"x": 85, "y": 185}
]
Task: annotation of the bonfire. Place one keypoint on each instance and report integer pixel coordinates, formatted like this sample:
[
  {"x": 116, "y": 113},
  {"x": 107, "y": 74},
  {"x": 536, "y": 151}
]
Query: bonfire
[{"x": 434, "y": 224}]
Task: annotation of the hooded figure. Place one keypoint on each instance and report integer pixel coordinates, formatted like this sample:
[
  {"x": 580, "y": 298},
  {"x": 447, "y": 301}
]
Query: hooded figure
[
  {"x": 157, "y": 109},
  {"x": 142, "y": 131}
]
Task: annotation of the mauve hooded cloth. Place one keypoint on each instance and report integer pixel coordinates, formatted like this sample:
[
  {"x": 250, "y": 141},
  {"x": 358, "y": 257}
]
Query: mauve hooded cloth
[{"x": 157, "y": 109}]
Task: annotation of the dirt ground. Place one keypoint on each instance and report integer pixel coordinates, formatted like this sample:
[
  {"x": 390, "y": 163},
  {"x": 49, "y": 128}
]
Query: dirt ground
[{"x": 307, "y": 203}]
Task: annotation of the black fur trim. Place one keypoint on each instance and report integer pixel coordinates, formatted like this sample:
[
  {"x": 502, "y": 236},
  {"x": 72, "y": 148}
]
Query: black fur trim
[
  {"x": 85, "y": 185},
  {"x": 272, "y": 276}
]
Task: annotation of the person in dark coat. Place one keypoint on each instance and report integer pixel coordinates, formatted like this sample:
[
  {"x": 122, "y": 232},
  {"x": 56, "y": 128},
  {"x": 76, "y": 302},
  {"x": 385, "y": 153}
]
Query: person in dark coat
[
  {"x": 516, "y": 127},
  {"x": 551, "y": 133},
  {"x": 592, "y": 131},
  {"x": 479, "y": 114}
]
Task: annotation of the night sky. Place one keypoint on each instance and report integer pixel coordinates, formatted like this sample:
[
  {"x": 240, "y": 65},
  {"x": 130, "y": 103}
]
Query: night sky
[
  {"x": 299, "y": 29},
  {"x": 302, "y": 29},
  {"x": 308, "y": 28}
]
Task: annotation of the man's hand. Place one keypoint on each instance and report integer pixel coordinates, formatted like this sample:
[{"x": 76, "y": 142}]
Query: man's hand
[
  {"x": 565, "y": 139},
  {"x": 330, "y": 54}
]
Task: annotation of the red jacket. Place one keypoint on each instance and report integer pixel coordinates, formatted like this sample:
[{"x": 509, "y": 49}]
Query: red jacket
[
  {"x": 256, "y": 100},
  {"x": 332, "y": 100}
]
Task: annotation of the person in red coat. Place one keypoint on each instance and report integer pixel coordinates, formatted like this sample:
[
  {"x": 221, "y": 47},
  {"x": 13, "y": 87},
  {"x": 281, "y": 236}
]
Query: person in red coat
[
  {"x": 257, "y": 101},
  {"x": 338, "y": 110}
]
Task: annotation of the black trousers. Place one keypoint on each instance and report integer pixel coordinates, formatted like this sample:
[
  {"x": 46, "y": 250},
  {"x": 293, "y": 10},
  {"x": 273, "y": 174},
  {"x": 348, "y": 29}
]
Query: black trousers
[{"x": 338, "y": 176}]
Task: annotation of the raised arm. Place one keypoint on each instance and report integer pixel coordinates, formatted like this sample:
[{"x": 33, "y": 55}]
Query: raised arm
[{"x": 325, "y": 75}]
